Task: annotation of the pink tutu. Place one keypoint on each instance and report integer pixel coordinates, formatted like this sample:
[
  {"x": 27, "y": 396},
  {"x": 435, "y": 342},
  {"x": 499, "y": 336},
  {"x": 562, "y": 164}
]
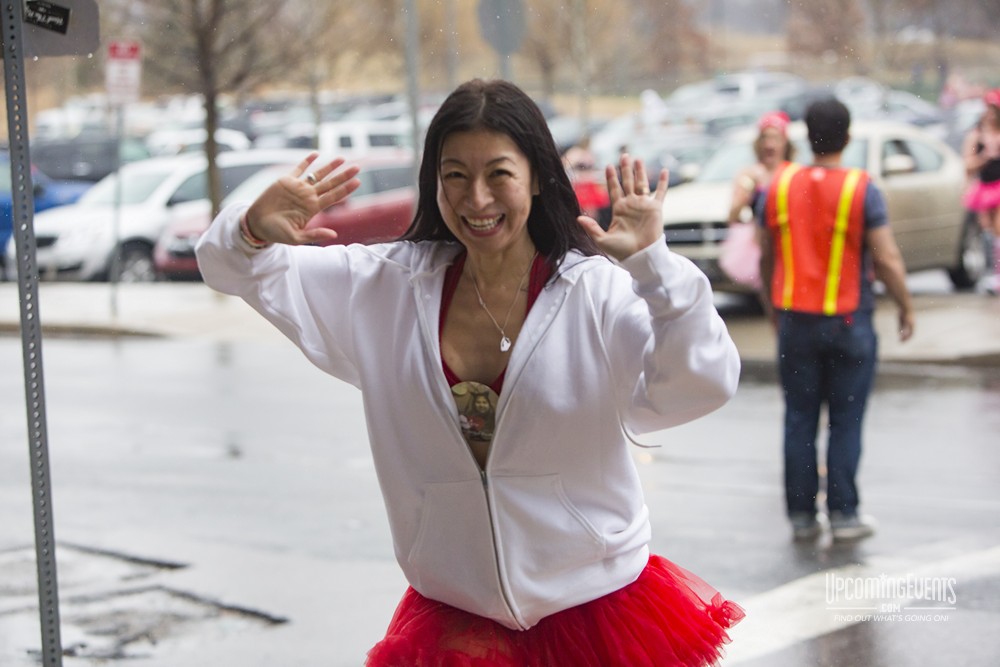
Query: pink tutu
[
  {"x": 668, "y": 617},
  {"x": 982, "y": 196}
]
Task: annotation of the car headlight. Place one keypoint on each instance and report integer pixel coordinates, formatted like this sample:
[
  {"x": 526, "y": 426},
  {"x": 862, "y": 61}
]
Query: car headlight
[{"x": 84, "y": 233}]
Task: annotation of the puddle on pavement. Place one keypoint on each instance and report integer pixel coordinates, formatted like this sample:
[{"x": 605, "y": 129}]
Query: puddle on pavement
[{"x": 111, "y": 608}]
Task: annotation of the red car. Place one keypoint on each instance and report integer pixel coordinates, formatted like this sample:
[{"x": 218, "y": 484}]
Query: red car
[{"x": 380, "y": 210}]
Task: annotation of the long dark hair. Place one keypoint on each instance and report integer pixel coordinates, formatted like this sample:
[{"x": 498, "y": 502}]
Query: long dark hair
[{"x": 500, "y": 106}]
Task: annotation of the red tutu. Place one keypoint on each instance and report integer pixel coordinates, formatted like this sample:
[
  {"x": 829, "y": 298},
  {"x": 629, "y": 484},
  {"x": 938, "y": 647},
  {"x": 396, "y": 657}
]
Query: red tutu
[
  {"x": 668, "y": 617},
  {"x": 982, "y": 196}
]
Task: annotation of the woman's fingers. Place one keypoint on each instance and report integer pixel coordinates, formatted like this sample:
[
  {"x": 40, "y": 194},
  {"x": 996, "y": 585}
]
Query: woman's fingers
[
  {"x": 628, "y": 177},
  {"x": 591, "y": 227},
  {"x": 614, "y": 185},
  {"x": 317, "y": 236},
  {"x": 324, "y": 171},
  {"x": 632, "y": 178},
  {"x": 334, "y": 189},
  {"x": 641, "y": 178},
  {"x": 301, "y": 167},
  {"x": 661, "y": 185},
  {"x": 318, "y": 177}
]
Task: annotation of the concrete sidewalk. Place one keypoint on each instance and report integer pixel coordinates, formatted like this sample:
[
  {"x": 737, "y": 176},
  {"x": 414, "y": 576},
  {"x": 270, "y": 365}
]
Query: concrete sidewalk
[{"x": 951, "y": 328}]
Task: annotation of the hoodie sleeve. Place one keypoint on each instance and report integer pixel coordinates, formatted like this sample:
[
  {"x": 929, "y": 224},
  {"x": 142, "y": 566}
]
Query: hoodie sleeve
[
  {"x": 304, "y": 291},
  {"x": 670, "y": 352}
]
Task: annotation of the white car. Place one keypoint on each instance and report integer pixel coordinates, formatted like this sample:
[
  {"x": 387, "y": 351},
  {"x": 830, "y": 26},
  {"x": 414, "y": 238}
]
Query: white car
[
  {"x": 922, "y": 179},
  {"x": 96, "y": 240},
  {"x": 360, "y": 137},
  {"x": 174, "y": 141}
]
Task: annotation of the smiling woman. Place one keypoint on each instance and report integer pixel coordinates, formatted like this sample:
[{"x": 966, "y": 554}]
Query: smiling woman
[{"x": 514, "y": 503}]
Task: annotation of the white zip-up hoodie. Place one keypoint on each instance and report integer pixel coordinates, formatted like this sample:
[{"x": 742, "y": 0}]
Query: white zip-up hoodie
[{"x": 557, "y": 517}]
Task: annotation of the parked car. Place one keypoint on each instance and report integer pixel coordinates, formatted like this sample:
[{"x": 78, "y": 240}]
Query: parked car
[
  {"x": 48, "y": 193},
  {"x": 177, "y": 140},
  {"x": 94, "y": 239},
  {"x": 359, "y": 137},
  {"x": 381, "y": 209},
  {"x": 922, "y": 178},
  {"x": 85, "y": 157}
]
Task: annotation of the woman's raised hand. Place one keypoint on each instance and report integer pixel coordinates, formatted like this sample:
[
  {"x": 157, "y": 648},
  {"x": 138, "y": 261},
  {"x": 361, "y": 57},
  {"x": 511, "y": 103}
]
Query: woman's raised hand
[
  {"x": 280, "y": 213},
  {"x": 636, "y": 215}
]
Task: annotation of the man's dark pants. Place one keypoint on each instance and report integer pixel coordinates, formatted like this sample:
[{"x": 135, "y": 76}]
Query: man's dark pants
[{"x": 831, "y": 360}]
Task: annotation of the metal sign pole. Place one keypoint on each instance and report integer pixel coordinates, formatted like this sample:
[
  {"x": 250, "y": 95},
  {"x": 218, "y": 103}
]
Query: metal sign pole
[
  {"x": 116, "y": 260},
  {"x": 31, "y": 336}
]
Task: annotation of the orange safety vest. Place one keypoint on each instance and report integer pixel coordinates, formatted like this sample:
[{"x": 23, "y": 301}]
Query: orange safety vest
[{"x": 816, "y": 219}]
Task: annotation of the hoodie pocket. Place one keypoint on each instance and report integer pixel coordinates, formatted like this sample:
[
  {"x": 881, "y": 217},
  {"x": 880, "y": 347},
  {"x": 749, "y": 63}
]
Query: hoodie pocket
[
  {"x": 452, "y": 558},
  {"x": 542, "y": 532}
]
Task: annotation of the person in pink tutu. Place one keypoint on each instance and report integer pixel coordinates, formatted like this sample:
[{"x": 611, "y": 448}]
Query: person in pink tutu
[
  {"x": 981, "y": 151},
  {"x": 526, "y": 544},
  {"x": 740, "y": 253}
]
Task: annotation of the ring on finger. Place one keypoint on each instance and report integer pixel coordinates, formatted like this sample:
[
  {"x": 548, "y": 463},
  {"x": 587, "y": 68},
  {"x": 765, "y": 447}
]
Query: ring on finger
[{"x": 310, "y": 178}]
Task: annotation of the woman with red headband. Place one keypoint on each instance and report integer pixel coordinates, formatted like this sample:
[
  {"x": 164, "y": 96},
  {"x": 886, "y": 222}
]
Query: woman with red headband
[
  {"x": 740, "y": 252},
  {"x": 981, "y": 152}
]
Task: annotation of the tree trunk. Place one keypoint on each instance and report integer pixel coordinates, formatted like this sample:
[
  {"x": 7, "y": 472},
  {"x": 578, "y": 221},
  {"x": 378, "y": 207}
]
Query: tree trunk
[{"x": 210, "y": 93}]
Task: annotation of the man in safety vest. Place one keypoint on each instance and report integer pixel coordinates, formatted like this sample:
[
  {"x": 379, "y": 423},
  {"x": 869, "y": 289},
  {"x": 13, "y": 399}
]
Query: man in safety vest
[{"x": 826, "y": 237}]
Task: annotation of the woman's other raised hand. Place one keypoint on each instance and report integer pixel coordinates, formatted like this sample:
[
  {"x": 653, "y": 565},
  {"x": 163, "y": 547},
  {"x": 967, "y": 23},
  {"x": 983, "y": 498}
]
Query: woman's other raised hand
[
  {"x": 280, "y": 213},
  {"x": 636, "y": 214}
]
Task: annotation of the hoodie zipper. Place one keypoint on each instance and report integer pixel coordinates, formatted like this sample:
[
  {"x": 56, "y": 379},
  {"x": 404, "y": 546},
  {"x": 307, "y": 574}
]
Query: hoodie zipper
[
  {"x": 504, "y": 593},
  {"x": 509, "y": 382}
]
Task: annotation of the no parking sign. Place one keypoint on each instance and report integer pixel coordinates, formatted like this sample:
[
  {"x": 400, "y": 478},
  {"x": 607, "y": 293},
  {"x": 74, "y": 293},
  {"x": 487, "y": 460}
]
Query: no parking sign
[{"x": 123, "y": 72}]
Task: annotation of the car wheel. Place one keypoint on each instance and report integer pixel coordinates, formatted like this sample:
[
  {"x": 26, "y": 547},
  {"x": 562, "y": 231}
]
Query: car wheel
[
  {"x": 134, "y": 264},
  {"x": 973, "y": 255}
]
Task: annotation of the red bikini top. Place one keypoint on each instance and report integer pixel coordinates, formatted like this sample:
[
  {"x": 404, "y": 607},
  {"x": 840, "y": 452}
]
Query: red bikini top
[{"x": 540, "y": 273}]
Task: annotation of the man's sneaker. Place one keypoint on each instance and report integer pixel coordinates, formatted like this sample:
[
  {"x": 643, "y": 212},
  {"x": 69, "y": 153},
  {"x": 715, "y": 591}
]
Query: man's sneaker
[
  {"x": 851, "y": 526},
  {"x": 804, "y": 527}
]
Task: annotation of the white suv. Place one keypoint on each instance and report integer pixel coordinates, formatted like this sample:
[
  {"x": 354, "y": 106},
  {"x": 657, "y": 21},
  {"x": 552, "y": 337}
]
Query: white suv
[{"x": 96, "y": 240}]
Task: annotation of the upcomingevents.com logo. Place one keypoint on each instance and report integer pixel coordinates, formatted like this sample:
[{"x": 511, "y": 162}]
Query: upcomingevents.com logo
[{"x": 890, "y": 598}]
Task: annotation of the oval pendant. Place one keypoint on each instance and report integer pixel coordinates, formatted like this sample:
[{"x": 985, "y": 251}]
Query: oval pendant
[{"x": 504, "y": 344}]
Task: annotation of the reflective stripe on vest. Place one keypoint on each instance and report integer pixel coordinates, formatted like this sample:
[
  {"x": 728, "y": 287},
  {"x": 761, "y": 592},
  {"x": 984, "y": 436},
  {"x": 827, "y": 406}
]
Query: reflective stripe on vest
[
  {"x": 786, "y": 234},
  {"x": 837, "y": 246}
]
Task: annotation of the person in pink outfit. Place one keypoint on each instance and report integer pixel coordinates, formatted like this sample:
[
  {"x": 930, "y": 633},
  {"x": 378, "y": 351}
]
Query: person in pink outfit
[
  {"x": 981, "y": 152},
  {"x": 740, "y": 252}
]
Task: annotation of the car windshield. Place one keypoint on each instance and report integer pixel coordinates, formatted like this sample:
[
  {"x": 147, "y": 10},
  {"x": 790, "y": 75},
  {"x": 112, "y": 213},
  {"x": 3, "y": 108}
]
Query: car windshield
[
  {"x": 137, "y": 187},
  {"x": 726, "y": 161},
  {"x": 732, "y": 156}
]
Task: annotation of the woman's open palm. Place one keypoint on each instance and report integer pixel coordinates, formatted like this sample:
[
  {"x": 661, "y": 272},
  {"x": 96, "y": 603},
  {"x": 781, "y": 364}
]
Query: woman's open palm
[
  {"x": 636, "y": 215},
  {"x": 280, "y": 213}
]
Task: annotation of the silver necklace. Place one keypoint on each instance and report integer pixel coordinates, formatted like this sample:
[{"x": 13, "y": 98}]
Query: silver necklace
[{"x": 505, "y": 342}]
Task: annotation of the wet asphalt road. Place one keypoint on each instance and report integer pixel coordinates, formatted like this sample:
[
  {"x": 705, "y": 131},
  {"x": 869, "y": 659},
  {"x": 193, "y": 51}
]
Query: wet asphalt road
[{"x": 246, "y": 444}]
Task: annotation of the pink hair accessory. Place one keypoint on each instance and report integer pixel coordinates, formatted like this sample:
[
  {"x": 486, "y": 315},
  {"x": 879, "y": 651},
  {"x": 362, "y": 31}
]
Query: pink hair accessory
[
  {"x": 992, "y": 97},
  {"x": 776, "y": 119}
]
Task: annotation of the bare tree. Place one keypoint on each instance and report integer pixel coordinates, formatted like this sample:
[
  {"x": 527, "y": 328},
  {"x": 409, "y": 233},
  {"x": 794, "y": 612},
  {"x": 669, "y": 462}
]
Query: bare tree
[
  {"x": 671, "y": 40},
  {"x": 612, "y": 41},
  {"x": 825, "y": 26},
  {"x": 217, "y": 46},
  {"x": 548, "y": 41}
]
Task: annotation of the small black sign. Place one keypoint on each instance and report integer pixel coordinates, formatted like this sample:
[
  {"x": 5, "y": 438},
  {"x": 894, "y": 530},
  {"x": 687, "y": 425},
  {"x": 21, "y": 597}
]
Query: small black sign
[{"x": 47, "y": 15}]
